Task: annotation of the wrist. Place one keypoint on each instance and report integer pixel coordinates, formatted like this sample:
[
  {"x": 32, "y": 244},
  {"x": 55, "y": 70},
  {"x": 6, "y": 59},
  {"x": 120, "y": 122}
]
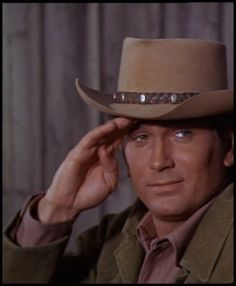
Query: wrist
[{"x": 50, "y": 213}]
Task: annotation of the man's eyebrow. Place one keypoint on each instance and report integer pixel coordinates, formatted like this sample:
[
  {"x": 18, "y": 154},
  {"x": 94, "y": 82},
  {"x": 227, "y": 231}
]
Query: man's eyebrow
[
  {"x": 134, "y": 127},
  {"x": 140, "y": 123}
]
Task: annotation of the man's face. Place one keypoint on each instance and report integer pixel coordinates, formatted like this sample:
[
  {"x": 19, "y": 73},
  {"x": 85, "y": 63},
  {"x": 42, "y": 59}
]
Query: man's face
[{"x": 176, "y": 167}]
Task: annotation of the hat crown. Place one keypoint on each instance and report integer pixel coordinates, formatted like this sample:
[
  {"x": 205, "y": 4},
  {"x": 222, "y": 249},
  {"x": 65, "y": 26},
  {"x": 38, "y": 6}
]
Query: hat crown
[{"x": 172, "y": 65}]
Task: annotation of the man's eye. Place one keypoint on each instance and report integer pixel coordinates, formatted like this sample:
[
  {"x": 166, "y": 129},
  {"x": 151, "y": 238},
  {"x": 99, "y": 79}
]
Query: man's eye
[
  {"x": 183, "y": 133},
  {"x": 140, "y": 138}
]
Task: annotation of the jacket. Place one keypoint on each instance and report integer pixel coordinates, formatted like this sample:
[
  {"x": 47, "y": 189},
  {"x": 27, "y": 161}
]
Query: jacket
[{"x": 111, "y": 253}]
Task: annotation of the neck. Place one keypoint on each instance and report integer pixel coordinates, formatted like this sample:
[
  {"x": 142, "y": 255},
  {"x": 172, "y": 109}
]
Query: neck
[{"x": 164, "y": 227}]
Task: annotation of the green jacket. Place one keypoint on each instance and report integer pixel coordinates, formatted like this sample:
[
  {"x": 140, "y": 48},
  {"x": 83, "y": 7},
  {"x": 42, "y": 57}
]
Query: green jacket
[{"x": 111, "y": 253}]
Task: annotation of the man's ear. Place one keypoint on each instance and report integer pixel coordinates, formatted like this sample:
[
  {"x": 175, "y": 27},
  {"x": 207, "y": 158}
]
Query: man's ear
[{"x": 229, "y": 156}]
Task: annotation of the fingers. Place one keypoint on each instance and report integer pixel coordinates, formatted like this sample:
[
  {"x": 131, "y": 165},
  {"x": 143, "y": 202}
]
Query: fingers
[
  {"x": 110, "y": 166},
  {"x": 107, "y": 157},
  {"x": 105, "y": 133},
  {"x": 110, "y": 133}
]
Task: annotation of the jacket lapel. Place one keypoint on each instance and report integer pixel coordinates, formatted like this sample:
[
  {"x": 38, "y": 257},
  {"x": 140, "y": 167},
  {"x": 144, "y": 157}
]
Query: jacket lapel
[
  {"x": 129, "y": 257},
  {"x": 204, "y": 249},
  {"x": 129, "y": 254}
]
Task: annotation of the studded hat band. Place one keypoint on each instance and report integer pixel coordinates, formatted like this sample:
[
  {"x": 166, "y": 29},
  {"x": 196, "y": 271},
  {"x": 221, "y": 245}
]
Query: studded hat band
[{"x": 151, "y": 97}]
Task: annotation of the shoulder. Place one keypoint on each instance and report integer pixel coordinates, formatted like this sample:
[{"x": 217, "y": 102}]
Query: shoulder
[{"x": 109, "y": 225}]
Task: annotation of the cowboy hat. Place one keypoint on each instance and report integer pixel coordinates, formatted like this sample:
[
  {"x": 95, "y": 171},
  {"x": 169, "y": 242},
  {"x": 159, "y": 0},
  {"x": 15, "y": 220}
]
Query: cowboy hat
[{"x": 167, "y": 79}]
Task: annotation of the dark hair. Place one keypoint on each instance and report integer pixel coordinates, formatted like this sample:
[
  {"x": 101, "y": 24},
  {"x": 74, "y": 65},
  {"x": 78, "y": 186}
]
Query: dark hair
[{"x": 224, "y": 128}]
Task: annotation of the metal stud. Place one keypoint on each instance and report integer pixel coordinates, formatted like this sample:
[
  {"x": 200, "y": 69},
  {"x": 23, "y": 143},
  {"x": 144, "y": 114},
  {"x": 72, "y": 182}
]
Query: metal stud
[
  {"x": 173, "y": 98},
  {"x": 115, "y": 96},
  {"x": 142, "y": 98},
  {"x": 122, "y": 97}
]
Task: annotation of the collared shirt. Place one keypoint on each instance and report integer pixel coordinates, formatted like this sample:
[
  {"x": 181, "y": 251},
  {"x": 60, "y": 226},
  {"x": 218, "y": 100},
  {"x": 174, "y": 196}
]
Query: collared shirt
[
  {"x": 162, "y": 256},
  {"x": 161, "y": 262},
  {"x": 32, "y": 232}
]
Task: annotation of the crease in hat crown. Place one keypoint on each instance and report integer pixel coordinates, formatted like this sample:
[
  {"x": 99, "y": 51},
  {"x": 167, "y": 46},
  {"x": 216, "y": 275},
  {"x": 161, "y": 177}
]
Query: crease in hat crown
[
  {"x": 172, "y": 65},
  {"x": 167, "y": 66}
]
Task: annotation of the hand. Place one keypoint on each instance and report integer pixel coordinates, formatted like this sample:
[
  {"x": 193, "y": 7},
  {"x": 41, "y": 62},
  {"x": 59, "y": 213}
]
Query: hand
[{"x": 88, "y": 174}]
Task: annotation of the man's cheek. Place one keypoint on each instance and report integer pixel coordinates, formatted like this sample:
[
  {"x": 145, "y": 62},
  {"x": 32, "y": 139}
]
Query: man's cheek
[{"x": 137, "y": 178}]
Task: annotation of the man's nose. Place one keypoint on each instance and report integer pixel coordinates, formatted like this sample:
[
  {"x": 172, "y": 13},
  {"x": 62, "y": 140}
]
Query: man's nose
[{"x": 161, "y": 156}]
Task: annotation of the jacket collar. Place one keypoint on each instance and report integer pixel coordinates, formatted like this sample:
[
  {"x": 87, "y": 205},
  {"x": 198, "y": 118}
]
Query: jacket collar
[{"x": 214, "y": 224}]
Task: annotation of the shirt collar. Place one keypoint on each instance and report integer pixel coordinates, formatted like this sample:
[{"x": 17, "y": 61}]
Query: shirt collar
[{"x": 179, "y": 238}]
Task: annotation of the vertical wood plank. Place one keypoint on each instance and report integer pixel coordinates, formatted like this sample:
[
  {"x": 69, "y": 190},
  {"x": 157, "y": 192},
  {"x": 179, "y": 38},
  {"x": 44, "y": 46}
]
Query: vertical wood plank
[
  {"x": 22, "y": 90},
  {"x": 36, "y": 94},
  {"x": 227, "y": 10},
  {"x": 7, "y": 138},
  {"x": 7, "y": 128},
  {"x": 65, "y": 115},
  {"x": 175, "y": 19},
  {"x": 17, "y": 93}
]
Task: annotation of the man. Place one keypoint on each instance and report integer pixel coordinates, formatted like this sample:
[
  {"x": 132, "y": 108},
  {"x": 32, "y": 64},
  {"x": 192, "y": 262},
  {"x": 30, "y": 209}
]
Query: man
[{"x": 173, "y": 124}]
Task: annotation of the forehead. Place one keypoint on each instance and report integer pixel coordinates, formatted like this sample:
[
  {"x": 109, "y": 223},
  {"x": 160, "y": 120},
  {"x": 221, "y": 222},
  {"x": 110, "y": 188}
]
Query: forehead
[{"x": 190, "y": 123}]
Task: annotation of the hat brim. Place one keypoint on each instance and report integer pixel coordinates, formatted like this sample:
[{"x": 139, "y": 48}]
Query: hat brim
[{"x": 204, "y": 104}]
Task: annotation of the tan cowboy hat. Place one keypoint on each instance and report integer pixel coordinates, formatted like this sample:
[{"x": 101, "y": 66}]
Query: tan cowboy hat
[{"x": 167, "y": 79}]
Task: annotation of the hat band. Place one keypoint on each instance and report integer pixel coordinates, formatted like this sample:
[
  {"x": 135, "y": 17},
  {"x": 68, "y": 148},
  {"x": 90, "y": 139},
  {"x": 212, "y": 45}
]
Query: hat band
[{"x": 151, "y": 97}]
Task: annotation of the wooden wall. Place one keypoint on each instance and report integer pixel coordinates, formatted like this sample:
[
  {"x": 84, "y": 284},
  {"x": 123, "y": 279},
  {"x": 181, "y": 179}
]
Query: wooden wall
[{"x": 45, "y": 47}]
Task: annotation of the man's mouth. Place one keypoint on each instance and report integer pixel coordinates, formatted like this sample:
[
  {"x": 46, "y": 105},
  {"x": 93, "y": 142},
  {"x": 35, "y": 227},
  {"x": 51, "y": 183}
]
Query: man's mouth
[{"x": 164, "y": 183}]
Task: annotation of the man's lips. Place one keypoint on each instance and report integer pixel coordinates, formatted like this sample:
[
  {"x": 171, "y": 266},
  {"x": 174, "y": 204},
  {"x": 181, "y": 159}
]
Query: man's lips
[{"x": 164, "y": 183}]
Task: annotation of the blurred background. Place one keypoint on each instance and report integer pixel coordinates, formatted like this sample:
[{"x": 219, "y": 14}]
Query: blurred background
[{"x": 45, "y": 47}]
